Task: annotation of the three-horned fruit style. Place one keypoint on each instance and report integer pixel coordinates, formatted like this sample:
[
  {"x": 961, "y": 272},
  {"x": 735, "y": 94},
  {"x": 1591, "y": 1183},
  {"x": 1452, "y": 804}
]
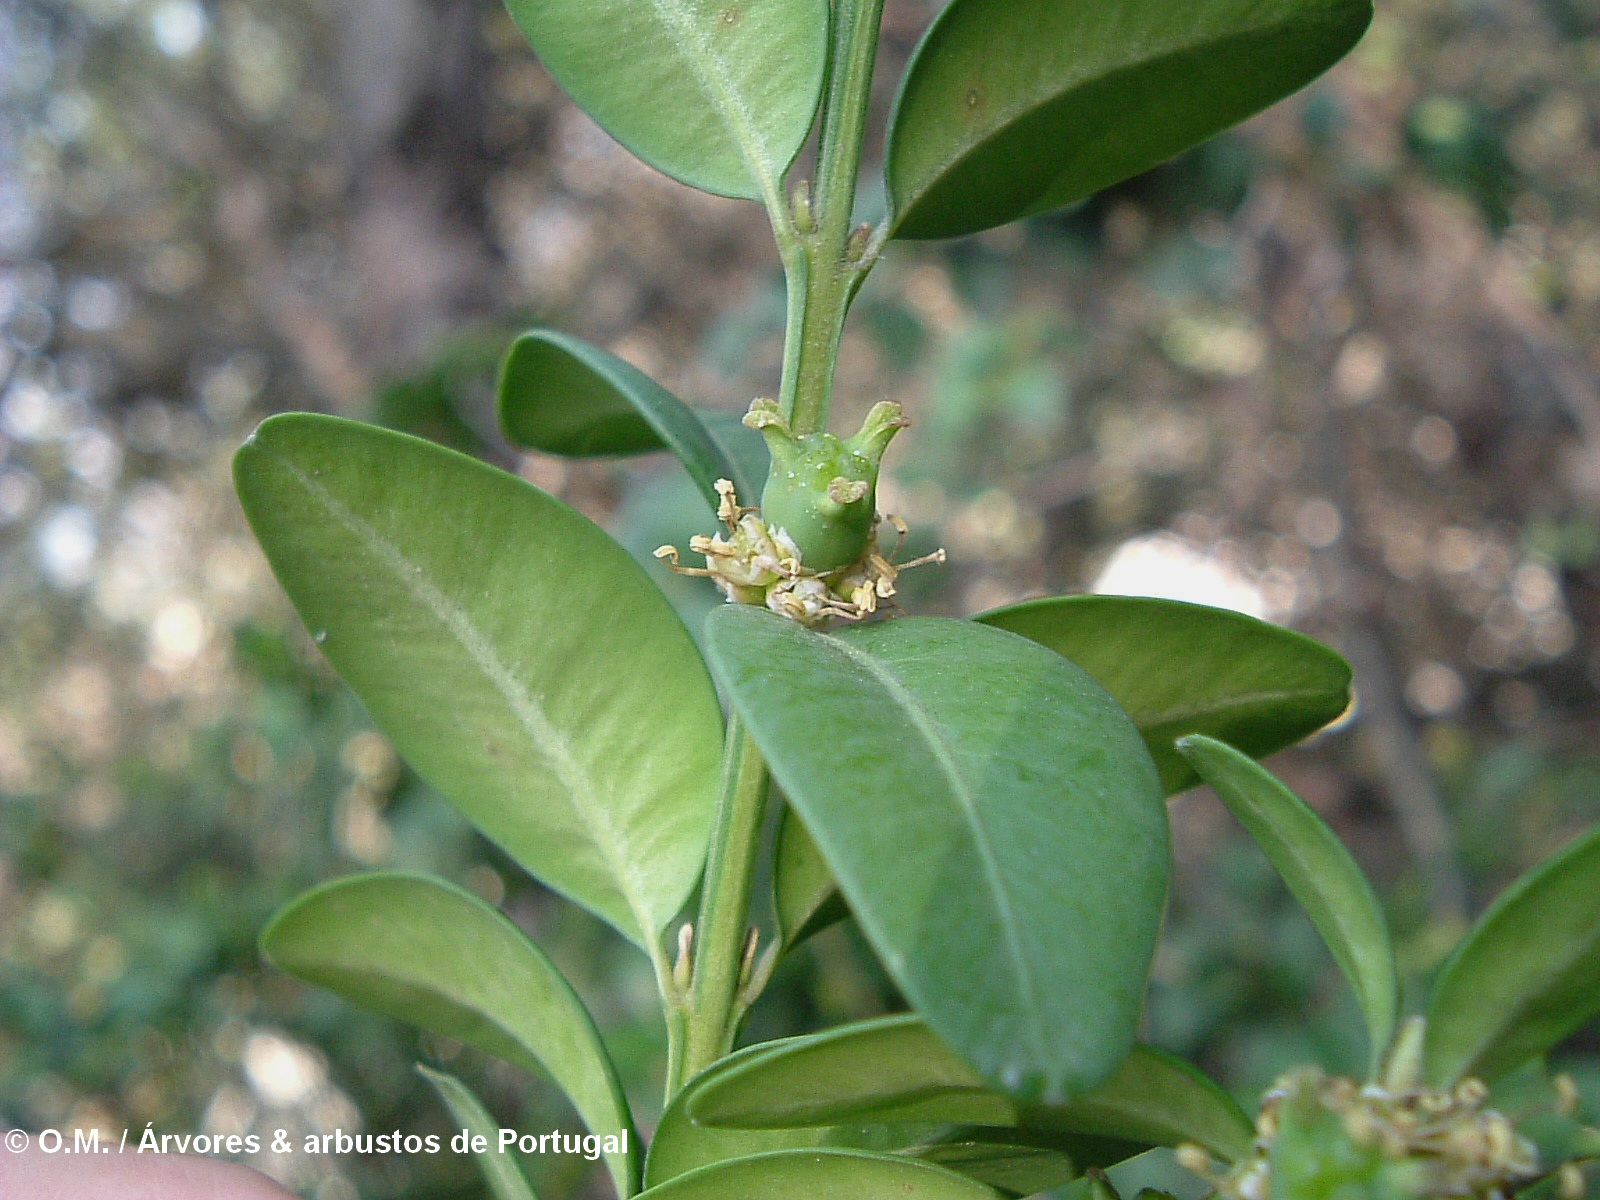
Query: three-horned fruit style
[
  {"x": 822, "y": 489},
  {"x": 810, "y": 551}
]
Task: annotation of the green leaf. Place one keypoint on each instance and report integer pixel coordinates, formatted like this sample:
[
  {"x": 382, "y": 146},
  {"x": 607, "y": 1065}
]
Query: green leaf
[
  {"x": 514, "y": 654},
  {"x": 719, "y": 94},
  {"x": 1180, "y": 668},
  {"x": 1010, "y": 1168},
  {"x": 889, "y": 1069},
  {"x": 1096, "y": 1186},
  {"x": 1016, "y": 107},
  {"x": 821, "y": 1175},
  {"x": 895, "y": 1069},
  {"x": 680, "y": 1145},
  {"x": 1527, "y": 975},
  {"x": 804, "y": 895},
  {"x": 425, "y": 952},
  {"x": 500, "y": 1170},
  {"x": 563, "y": 396},
  {"x": 1319, "y": 872},
  {"x": 991, "y": 816}
]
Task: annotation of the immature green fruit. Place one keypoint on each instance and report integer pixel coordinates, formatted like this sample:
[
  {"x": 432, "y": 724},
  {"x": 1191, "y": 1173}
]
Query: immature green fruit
[
  {"x": 822, "y": 490},
  {"x": 758, "y": 564}
]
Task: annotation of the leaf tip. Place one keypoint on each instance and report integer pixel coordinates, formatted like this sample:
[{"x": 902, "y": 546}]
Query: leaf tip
[
  {"x": 1195, "y": 747},
  {"x": 267, "y": 942}
]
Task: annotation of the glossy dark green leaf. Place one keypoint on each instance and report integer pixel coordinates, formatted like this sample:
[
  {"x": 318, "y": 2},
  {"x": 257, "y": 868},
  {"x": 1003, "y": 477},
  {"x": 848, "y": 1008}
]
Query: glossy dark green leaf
[
  {"x": 991, "y": 816},
  {"x": 425, "y": 952},
  {"x": 1016, "y": 107},
  {"x": 1180, "y": 668},
  {"x": 717, "y": 93},
  {"x": 563, "y": 396},
  {"x": 500, "y": 1170},
  {"x": 895, "y": 1069},
  {"x": 821, "y": 1175},
  {"x": 514, "y": 654},
  {"x": 1318, "y": 870},
  {"x": 804, "y": 895},
  {"x": 1527, "y": 975}
]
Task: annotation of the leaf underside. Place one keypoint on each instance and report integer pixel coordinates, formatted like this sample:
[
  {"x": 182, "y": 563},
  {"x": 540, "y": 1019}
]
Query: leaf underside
[
  {"x": 514, "y": 654},
  {"x": 423, "y": 951},
  {"x": 805, "y": 897},
  {"x": 719, "y": 94}
]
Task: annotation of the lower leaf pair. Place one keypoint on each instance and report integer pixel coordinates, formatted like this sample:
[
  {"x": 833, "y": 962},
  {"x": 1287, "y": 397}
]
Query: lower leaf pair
[{"x": 893, "y": 1087}]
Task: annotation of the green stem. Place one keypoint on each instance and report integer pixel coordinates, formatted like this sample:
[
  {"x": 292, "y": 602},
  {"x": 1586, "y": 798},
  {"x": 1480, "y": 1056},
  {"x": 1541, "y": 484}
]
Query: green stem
[
  {"x": 825, "y": 263},
  {"x": 677, "y": 1027},
  {"x": 825, "y": 267},
  {"x": 712, "y": 1017}
]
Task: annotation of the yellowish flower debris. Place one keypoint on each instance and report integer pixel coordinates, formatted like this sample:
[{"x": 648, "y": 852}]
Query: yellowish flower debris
[
  {"x": 1425, "y": 1142},
  {"x": 756, "y": 564}
]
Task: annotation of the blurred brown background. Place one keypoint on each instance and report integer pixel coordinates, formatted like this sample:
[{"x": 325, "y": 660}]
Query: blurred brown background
[{"x": 1340, "y": 367}]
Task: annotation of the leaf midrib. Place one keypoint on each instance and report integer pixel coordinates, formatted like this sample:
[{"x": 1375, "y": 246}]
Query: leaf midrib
[
  {"x": 712, "y": 74},
  {"x": 928, "y": 728},
  {"x": 585, "y": 803}
]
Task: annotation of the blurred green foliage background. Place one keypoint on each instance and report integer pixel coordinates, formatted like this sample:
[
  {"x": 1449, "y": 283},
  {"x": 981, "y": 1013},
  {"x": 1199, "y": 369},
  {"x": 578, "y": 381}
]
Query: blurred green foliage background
[{"x": 1338, "y": 368}]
